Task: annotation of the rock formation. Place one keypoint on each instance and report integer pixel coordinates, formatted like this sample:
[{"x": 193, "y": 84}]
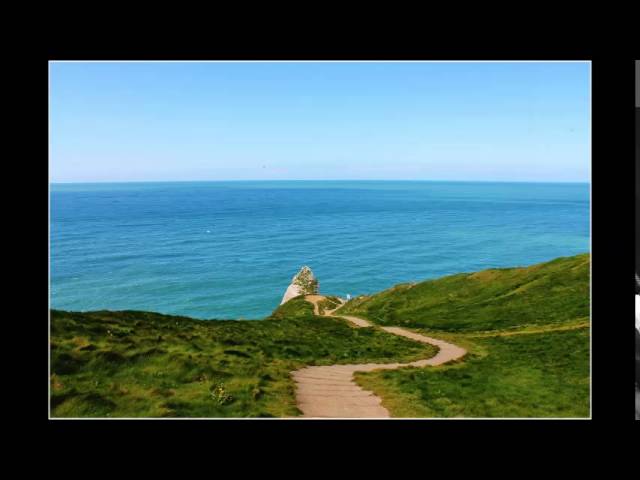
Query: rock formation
[{"x": 303, "y": 283}]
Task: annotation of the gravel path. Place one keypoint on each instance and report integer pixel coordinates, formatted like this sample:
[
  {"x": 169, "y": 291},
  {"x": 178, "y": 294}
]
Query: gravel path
[{"x": 331, "y": 392}]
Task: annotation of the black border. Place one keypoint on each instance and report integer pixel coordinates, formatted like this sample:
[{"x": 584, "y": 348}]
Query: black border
[{"x": 612, "y": 129}]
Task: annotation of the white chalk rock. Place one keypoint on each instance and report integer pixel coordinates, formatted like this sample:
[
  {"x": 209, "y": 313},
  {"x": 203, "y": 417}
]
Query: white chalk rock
[{"x": 303, "y": 283}]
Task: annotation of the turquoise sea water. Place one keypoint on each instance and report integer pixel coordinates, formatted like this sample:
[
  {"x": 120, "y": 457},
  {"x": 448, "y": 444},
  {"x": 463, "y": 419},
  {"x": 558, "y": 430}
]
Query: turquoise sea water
[{"x": 229, "y": 249}]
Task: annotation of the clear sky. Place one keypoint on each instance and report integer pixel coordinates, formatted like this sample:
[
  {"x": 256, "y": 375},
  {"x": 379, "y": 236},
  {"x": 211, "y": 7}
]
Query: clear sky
[{"x": 151, "y": 121}]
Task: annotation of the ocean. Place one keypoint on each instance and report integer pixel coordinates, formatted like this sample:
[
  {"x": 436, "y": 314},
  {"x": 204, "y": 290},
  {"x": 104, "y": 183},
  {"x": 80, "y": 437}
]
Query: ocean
[{"x": 228, "y": 250}]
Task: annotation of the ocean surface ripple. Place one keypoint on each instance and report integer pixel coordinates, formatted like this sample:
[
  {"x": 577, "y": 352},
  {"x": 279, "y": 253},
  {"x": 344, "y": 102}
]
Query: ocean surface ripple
[{"x": 228, "y": 250}]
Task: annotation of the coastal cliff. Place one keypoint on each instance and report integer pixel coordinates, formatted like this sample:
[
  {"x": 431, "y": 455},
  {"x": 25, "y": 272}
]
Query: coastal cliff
[{"x": 302, "y": 283}]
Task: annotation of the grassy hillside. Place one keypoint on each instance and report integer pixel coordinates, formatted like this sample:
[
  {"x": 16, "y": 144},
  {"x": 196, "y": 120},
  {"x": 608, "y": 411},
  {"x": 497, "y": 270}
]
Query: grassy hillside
[
  {"x": 329, "y": 303},
  {"x": 526, "y": 331},
  {"x": 519, "y": 375},
  {"x": 508, "y": 298},
  {"x": 130, "y": 364}
]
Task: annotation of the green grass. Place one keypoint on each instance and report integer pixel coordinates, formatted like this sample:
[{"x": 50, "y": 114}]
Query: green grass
[
  {"x": 526, "y": 331},
  {"x": 329, "y": 303},
  {"x": 141, "y": 364},
  {"x": 527, "y": 375},
  {"x": 548, "y": 293}
]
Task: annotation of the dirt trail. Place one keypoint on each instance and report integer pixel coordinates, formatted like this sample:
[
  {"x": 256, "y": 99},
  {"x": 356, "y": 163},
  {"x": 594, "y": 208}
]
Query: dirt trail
[
  {"x": 331, "y": 392},
  {"x": 315, "y": 299},
  {"x": 544, "y": 329}
]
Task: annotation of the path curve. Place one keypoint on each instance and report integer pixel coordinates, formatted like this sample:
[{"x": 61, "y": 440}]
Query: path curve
[{"x": 331, "y": 391}]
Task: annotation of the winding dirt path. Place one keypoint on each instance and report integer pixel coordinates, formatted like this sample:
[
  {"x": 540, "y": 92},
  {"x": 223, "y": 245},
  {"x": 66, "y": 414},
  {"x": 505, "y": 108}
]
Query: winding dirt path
[{"x": 331, "y": 392}]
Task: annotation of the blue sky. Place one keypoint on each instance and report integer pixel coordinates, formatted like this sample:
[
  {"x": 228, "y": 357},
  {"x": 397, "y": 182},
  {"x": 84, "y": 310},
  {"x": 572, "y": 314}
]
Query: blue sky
[{"x": 149, "y": 121}]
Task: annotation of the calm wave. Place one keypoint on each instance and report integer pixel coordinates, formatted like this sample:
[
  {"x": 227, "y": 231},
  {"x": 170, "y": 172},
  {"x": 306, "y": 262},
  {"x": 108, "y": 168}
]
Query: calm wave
[{"x": 229, "y": 249}]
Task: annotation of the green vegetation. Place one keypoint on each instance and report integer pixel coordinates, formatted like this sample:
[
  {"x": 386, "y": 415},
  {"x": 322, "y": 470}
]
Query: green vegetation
[
  {"x": 525, "y": 375},
  {"x": 526, "y": 331},
  {"x": 140, "y": 364},
  {"x": 328, "y": 303},
  {"x": 509, "y": 298},
  {"x": 306, "y": 281}
]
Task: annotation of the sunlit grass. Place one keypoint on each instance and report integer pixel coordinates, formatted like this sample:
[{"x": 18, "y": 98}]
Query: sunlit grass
[
  {"x": 527, "y": 375},
  {"x": 141, "y": 364},
  {"x": 526, "y": 331},
  {"x": 546, "y": 293}
]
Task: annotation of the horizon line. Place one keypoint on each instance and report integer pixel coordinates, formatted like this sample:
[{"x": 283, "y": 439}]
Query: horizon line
[{"x": 313, "y": 180}]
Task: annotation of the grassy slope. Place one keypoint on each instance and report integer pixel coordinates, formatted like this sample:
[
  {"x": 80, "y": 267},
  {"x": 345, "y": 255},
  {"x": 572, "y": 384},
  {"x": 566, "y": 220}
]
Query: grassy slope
[
  {"x": 529, "y": 375},
  {"x": 497, "y": 299},
  {"x": 329, "y": 303},
  {"x": 123, "y": 364},
  {"x": 526, "y": 330}
]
